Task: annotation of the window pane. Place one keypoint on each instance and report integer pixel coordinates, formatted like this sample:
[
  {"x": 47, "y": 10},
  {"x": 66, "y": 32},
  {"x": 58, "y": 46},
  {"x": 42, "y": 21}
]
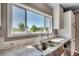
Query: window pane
[
  {"x": 18, "y": 19},
  {"x": 35, "y": 22}
]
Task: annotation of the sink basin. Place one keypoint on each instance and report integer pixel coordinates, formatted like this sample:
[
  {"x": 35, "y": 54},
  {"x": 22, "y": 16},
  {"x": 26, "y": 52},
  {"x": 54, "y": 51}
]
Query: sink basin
[
  {"x": 52, "y": 44},
  {"x": 42, "y": 46}
]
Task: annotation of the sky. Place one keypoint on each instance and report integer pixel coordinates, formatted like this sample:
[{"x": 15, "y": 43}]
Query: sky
[
  {"x": 32, "y": 18},
  {"x": 18, "y": 16}
]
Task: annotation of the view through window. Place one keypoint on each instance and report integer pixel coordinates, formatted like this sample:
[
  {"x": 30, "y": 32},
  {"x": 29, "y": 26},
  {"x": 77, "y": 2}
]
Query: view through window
[
  {"x": 18, "y": 19},
  {"x": 35, "y": 22}
]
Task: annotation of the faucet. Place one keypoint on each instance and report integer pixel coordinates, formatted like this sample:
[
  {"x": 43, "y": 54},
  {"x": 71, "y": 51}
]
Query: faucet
[
  {"x": 47, "y": 35},
  {"x": 41, "y": 37}
]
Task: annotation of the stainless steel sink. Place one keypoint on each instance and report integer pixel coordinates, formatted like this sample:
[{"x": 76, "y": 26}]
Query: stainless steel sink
[{"x": 45, "y": 45}]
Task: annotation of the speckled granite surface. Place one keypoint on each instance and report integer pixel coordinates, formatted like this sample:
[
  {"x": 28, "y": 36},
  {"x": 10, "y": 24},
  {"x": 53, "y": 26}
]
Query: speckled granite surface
[{"x": 22, "y": 51}]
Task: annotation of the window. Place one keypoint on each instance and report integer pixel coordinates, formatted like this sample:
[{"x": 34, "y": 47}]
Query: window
[
  {"x": 35, "y": 22},
  {"x": 18, "y": 20},
  {"x": 24, "y": 20}
]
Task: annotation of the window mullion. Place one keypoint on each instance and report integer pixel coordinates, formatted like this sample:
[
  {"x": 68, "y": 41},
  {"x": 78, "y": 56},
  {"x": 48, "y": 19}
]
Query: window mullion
[{"x": 25, "y": 20}]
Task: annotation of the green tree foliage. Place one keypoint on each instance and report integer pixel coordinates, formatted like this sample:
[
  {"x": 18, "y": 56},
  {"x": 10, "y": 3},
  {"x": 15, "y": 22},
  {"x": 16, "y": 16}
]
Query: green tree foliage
[
  {"x": 21, "y": 27},
  {"x": 33, "y": 28}
]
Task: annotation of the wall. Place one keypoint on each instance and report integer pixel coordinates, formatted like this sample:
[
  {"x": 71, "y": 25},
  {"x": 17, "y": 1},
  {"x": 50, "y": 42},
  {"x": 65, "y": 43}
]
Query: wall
[
  {"x": 41, "y": 7},
  {"x": 66, "y": 31},
  {"x": 22, "y": 40}
]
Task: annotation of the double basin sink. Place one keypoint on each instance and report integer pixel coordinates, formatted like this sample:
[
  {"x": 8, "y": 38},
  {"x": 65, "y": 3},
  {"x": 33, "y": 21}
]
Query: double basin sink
[{"x": 43, "y": 46}]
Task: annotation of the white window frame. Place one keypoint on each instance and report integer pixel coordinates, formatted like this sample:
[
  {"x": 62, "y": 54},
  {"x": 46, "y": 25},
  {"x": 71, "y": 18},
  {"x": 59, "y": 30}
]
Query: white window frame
[{"x": 9, "y": 22}]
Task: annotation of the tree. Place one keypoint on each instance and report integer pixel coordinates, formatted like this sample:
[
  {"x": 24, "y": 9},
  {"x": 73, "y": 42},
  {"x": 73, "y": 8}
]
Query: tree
[
  {"x": 21, "y": 27},
  {"x": 33, "y": 28}
]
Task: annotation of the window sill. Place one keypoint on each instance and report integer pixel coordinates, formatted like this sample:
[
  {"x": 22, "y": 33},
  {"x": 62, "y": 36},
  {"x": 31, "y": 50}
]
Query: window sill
[{"x": 26, "y": 34}]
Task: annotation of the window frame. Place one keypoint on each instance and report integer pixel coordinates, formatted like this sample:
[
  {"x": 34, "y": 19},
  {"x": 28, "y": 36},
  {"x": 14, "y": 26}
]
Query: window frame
[{"x": 9, "y": 21}]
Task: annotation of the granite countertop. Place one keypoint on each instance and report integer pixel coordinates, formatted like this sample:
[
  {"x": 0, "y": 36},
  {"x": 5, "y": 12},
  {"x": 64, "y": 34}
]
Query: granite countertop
[
  {"x": 22, "y": 51},
  {"x": 32, "y": 51},
  {"x": 28, "y": 51}
]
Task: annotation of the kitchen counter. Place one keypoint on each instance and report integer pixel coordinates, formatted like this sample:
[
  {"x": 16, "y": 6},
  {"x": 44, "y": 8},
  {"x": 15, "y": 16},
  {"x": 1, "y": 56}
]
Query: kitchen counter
[
  {"x": 32, "y": 51},
  {"x": 22, "y": 51}
]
